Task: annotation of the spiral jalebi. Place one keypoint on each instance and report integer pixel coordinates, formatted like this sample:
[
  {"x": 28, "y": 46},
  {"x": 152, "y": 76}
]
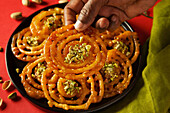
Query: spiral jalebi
[
  {"x": 75, "y": 54},
  {"x": 26, "y": 46}
]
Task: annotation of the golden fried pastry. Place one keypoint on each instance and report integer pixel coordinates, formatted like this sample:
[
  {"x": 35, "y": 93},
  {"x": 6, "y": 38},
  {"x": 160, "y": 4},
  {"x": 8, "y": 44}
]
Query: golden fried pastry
[
  {"x": 26, "y": 46},
  {"x": 125, "y": 41},
  {"x": 66, "y": 93},
  {"x": 116, "y": 73},
  {"x": 75, "y": 54},
  {"x": 46, "y": 22}
]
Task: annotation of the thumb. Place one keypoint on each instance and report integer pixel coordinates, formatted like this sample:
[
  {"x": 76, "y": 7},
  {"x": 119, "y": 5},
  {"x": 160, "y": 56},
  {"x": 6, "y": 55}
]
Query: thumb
[{"x": 88, "y": 13}]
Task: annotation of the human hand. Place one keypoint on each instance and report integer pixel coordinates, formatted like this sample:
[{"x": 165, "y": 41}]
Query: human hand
[{"x": 112, "y": 12}]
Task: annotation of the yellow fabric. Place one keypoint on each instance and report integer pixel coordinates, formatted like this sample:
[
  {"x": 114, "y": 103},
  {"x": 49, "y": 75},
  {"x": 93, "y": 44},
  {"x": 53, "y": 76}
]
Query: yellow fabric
[{"x": 151, "y": 93}]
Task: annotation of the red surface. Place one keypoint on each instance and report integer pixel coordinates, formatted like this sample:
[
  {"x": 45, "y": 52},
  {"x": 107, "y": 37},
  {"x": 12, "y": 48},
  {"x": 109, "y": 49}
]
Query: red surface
[{"x": 140, "y": 24}]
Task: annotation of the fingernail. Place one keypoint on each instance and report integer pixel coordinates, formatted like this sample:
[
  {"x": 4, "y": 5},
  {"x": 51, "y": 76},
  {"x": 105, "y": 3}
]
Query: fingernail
[
  {"x": 78, "y": 25},
  {"x": 102, "y": 25},
  {"x": 114, "y": 18}
]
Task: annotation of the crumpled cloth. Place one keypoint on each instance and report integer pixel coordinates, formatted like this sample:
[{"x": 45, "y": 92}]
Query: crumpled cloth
[{"x": 151, "y": 93}]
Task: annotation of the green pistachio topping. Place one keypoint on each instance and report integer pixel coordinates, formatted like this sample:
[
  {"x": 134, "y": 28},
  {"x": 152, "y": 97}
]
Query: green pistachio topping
[
  {"x": 1, "y": 49},
  {"x": 50, "y": 22},
  {"x": 17, "y": 70},
  {"x": 77, "y": 53},
  {"x": 70, "y": 87},
  {"x": 12, "y": 95},
  {"x": 32, "y": 40},
  {"x": 119, "y": 45},
  {"x": 39, "y": 69},
  {"x": 109, "y": 70}
]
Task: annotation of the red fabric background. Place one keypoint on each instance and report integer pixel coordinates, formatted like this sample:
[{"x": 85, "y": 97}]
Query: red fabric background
[{"x": 140, "y": 24}]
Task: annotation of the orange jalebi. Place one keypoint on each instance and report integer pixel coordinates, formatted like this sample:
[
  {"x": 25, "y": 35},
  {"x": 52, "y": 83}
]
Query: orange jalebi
[
  {"x": 26, "y": 46},
  {"x": 125, "y": 41},
  {"x": 116, "y": 73},
  {"x": 31, "y": 78},
  {"x": 47, "y": 21},
  {"x": 67, "y": 93},
  {"x": 75, "y": 54}
]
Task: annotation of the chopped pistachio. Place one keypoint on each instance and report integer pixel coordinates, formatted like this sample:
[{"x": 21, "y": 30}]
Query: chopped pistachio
[
  {"x": 40, "y": 69},
  {"x": 37, "y": 1},
  {"x": 1, "y": 49},
  {"x": 119, "y": 45},
  {"x": 128, "y": 53},
  {"x": 54, "y": 14},
  {"x": 77, "y": 53},
  {"x": 109, "y": 69},
  {"x": 88, "y": 47},
  {"x": 12, "y": 95},
  {"x": 51, "y": 21},
  {"x": 1, "y": 102},
  {"x": 25, "y": 2},
  {"x": 70, "y": 87},
  {"x": 81, "y": 39},
  {"x": 84, "y": 44},
  {"x": 55, "y": 25},
  {"x": 114, "y": 41},
  {"x": 17, "y": 70},
  {"x": 32, "y": 41},
  {"x": 16, "y": 15},
  {"x": 6, "y": 85},
  {"x": 32, "y": 75}
]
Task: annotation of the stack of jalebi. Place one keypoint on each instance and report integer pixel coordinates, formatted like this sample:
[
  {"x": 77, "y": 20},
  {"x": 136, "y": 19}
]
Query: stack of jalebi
[{"x": 73, "y": 69}]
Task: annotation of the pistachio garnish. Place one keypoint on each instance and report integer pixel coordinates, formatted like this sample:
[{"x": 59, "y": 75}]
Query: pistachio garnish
[
  {"x": 70, "y": 87},
  {"x": 1, "y": 79},
  {"x": 1, "y": 102},
  {"x": 32, "y": 40},
  {"x": 119, "y": 45},
  {"x": 39, "y": 69},
  {"x": 25, "y": 2},
  {"x": 6, "y": 85},
  {"x": 12, "y": 95},
  {"x": 77, "y": 53},
  {"x": 17, "y": 70},
  {"x": 51, "y": 22},
  {"x": 109, "y": 70},
  {"x": 1, "y": 49},
  {"x": 37, "y": 1},
  {"x": 16, "y": 15}
]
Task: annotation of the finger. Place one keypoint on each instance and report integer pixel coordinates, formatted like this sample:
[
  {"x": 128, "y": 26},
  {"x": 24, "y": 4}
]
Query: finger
[
  {"x": 102, "y": 23},
  {"x": 71, "y": 10},
  {"x": 88, "y": 13},
  {"x": 114, "y": 23},
  {"x": 115, "y": 16}
]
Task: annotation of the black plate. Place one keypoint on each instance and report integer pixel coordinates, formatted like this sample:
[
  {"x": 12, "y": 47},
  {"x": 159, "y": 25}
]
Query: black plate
[{"x": 12, "y": 63}]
